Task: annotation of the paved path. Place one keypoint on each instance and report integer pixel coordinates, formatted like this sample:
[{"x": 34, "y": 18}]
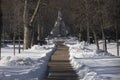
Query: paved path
[{"x": 59, "y": 66}]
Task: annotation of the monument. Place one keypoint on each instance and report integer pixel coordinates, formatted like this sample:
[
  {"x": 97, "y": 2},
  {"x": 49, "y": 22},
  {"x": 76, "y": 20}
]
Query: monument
[{"x": 59, "y": 29}]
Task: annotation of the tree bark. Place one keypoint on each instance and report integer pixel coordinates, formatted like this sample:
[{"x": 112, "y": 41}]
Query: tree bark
[
  {"x": 27, "y": 30},
  {"x": 35, "y": 12},
  {"x": 104, "y": 39},
  {"x": 27, "y": 37},
  {"x": 102, "y": 26},
  {"x": 38, "y": 33},
  {"x": 117, "y": 41},
  {"x": 19, "y": 42},
  {"x": 25, "y": 25},
  {"x": 88, "y": 33},
  {"x": 96, "y": 40},
  {"x": 87, "y": 20},
  {"x": 3, "y": 31},
  {"x": 14, "y": 43},
  {"x": 42, "y": 33},
  {"x": 32, "y": 35},
  {"x": 80, "y": 34},
  {"x": 0, "y": 27},
  {"x": 28, "y": 25},
  {"x": 117, "y": 10}
]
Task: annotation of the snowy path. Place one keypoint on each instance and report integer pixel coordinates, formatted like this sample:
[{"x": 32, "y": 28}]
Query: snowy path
[{"x": 59, "y": 66}]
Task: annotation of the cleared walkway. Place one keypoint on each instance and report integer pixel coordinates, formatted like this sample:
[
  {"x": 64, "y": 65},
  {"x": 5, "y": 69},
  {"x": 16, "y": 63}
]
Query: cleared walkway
[{"x": 59, "y": 66}]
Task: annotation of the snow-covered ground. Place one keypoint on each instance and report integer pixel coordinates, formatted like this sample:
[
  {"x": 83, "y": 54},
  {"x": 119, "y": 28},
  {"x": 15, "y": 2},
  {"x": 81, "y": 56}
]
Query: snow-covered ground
[
  {"x": 92, "y": 64},
  {"x": 30, "y": 64}
]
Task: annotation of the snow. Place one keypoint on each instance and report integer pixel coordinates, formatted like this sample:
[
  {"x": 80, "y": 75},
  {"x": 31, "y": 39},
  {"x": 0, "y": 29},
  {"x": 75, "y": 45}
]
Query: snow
[
  {"x": 92, "y": 64},
  {"x": 88, "y": 62},
  {"x": 30, "y": 64}
]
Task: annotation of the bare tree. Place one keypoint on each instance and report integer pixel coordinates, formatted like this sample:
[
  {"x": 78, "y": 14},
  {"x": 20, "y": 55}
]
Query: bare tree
[
  {"x": 80, "y": 33},
  {"x": 19, "y": 41},
  {"x": 104, "y": 39},
  {"x": 95, "y": 38},
  {"x": 102, "y": 23},
  {"x": 0, "y": 27},
  {"x": 16, "y": 23},
  {"x": 26, "y": 31},
  {"x": 87, "y": 20},
  {"x": 118, "y": 18},
  {"x": 116, "y": 21},
  {"x": 14, "y": 43},
  {"x": 28, "y": 24},
  {"x": 117, "y": 41}
]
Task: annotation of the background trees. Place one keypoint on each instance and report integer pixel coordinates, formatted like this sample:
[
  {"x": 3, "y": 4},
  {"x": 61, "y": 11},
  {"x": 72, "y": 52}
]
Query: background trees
[{"x": 90, "y": 20}]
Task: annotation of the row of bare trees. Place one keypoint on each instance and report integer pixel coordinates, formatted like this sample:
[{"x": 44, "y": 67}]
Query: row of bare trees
[
  {"x": 35, "y": 23},
  {"x": 93, "y": 20},
  {"x": 87, "y": 19},
  {"x": 98, "y": 19},
  {"x": 23, "y": 20}
]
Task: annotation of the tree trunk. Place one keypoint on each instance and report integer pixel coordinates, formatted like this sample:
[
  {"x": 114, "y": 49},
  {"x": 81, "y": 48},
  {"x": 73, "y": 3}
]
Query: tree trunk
[
  {"x": 80, "y": 34},
  {"x": 88, "y": 33},
  {"x": 42, "y": 33},
  {"x": 0, "y": 27},
  {"x": 19, "y": 42},
  {"x": 28, "y": 25},
  {"x": 38, "y": 33},
  {"x": 27, "y": 37},
  {"x": 104, "y": 39},
  {"x": 102, "y": 26},
  {"x": 117, "y": 41},
  {"x": 25, "y": 25},
  {"x": 14, "y": 43},
  {"x": 3, "y": 30},
  {"x": 87, "y": 20},
  {"x": 96, "y": 40},
  {"x": 27, "y": 30},
  {"x": 33, "y": 40},
  {"x": 35, "y": 12}
]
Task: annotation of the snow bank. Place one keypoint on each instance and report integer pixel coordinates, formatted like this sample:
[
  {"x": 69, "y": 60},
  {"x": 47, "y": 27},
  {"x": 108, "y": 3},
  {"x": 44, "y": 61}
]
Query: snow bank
[
  {"x": 92, "y": 64},
  {"x": 16, "y": 61},
  {"x": 84, "y": 72},
  {"x": 71, "y": 41},
  {"x": 28, "y": 65}
]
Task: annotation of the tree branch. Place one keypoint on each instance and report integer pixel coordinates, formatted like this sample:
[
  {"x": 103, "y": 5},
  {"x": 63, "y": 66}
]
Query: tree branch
[{"x": 35, "y": 12}]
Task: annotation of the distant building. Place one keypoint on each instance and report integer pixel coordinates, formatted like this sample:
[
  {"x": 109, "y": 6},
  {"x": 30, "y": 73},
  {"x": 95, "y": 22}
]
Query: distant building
[{"x": 59, "y": 29}]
